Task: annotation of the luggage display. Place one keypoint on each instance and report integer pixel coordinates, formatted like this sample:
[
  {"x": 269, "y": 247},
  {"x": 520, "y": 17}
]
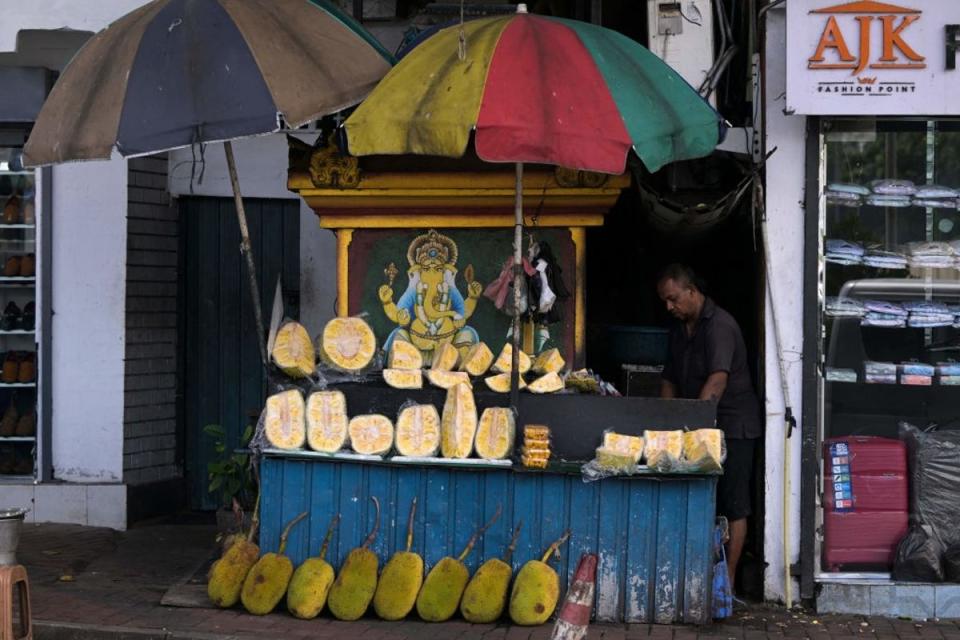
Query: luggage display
[{"x": 865, "y": 501}]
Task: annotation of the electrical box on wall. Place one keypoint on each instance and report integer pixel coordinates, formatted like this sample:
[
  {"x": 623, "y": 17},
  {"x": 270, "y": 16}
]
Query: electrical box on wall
[{"x": 681, "y": 34}]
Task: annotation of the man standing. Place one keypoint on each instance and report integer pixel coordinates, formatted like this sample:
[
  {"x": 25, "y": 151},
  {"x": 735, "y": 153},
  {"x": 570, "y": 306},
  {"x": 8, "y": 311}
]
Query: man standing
[{"x": 708, "y": 361}]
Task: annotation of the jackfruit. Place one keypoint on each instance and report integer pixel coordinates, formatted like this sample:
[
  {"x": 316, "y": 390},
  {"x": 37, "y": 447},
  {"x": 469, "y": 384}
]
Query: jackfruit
[
  {"x": 347, "y": 344},
  {"x": 478, "y": 360},
  {"x": 536, "y": 589},
  {"x": 500, "y": 383},
  {"x": 293, "y": 351},
  {"x": 327, "y": 421},
  {"x": 418, "y": 431},
  {"x": 548, "y": 383},
  {"x": 356, "y": 583},
  {"x": 615, "y": 460},
  {"x": 663, "y": 449},
  {"x": 459, "y": 424},
  {"x": 400, "y": 580},
  {"x": 403, "y": 378},
  {"x": 284, "y": 423},
  {"x": 267, "y": 581},
  {"x": 703, "y": 449},
  {"x": 495, "y": 433},
  {"x": 533, "y": 463},
  {"x": 371, "y": 434},
  {"x": 440, "y": 595},
  {"x": 445, "y": 357},
  {"x": 536, "y": 433},
  {"x": 504, "y": 362},
  {"x": 630, "y": 445},
  {"x": 549, "y": 361},
  {"x": 226, "y": 575},
  {"x": 404, "y": 355},
  {"x": 485, "y": 597},
  {"x": 310, "y": 584},
  {"x": 447, "y": 379}
]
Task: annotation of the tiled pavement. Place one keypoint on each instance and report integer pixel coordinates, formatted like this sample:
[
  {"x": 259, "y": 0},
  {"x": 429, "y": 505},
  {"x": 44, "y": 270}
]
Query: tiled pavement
[{"x": 95, "y": 583}]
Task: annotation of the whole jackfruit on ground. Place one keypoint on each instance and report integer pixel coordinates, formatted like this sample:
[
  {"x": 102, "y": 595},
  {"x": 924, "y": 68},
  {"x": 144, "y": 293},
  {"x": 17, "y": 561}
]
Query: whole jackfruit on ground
[
  {"x": 310, "y": 584},
  {"x": 267, "y": 581},
  {"x": 536, "y": 589},
  {"x": 485, "y": 597},
  {"x": 356, "y": 583},
  {"x": 400, "y": 580},
  {"x": 227, "y": 574}
]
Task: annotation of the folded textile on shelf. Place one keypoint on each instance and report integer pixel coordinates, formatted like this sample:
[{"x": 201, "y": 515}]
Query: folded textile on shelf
[
  {"x": 841, "y": 375},
  {"x": 882, "y": 320},
  {"x": 952, "y": 381},
  {"x": 917, "y": 369},
  {"x": 889, "y": 201},
  {"x": 893, "y": 187},
  {"x": 846, "y": 187},
  {"x": 843, "y": 308},
  {"x": 878, "y": 378},
  {"x": 886, "y": 308},
  {"x": 930, "y": 249},
  {"x": 934, "y": 203},
  {"x": 932, "y": 262},
  {"x": 884, "y": 259},
  {"x": 916, "y": 381},
  {"x": 930, "y": 321},
  {"x": 935, "y": 191},
  {"x": 873, "y": 367},
  {"x": 927, "y": 306},
  {"x": 844, "y": 247},
  {"x": 948, "y": 368}
]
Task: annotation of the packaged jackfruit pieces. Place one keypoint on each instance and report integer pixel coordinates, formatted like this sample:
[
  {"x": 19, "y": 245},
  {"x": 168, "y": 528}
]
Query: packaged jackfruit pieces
[
  {"x": 626, "y": 444},
  {"x": 536, "y": 463},
  {"x": 704, "y": 450},
  {"x": 535, "y": 452},
  {"x": 663, "y": 449},
  {"x": 536, "y": 432}
]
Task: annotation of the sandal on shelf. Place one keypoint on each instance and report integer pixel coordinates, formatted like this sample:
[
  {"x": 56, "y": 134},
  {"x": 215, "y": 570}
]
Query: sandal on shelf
[
  {"x": 28, "y": 266},
  {"x": 12, "y": 317},
  {"x": 27, "y": 371},
  {"x": 11, "y": 211},
  {"x": 11, "y": 268},
  {"x": 11, "y": 368},
  {"x": 29, "y": 318}
]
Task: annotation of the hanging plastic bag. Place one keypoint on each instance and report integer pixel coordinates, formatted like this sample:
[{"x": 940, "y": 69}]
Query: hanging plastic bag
[
  {"x": 918, "y": 557},
  {"x": 722, "y": 593}
]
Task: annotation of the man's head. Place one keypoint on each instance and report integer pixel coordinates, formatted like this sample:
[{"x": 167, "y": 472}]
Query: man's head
[{"x": 677, "y": 287}]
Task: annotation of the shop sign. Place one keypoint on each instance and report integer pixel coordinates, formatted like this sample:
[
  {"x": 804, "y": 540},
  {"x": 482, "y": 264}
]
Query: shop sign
[{"x": 873, "y": 58}]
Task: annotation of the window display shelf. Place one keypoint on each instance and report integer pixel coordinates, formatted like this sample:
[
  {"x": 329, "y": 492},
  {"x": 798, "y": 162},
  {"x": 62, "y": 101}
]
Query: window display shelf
[
  {"x": 16, "y": 280},
  {"x": 17, "y": 226},
  {"x": 18, "y": 385},
  {"x": 18, "y": 332},
  {"x": 18, "y": 439}
]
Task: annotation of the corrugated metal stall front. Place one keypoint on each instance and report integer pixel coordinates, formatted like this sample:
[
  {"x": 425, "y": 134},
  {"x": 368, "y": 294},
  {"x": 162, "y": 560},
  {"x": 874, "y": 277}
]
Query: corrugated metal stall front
[{"x": 652, "y": 533}]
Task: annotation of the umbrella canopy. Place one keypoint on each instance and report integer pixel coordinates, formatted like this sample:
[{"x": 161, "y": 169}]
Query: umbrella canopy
[
  {"x": 177, "y": 72},
  {"x": 536, "y": 89}
]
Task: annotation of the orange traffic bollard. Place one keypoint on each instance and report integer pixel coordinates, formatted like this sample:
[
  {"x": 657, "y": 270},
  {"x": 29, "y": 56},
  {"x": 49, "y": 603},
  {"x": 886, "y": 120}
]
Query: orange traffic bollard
[{"x": 574, "y": 618}]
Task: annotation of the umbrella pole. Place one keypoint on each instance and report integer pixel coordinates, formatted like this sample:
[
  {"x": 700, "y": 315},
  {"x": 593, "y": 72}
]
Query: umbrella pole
[
  {"x": 517, "y": 275},
  {"x": 247, "y": 250}
]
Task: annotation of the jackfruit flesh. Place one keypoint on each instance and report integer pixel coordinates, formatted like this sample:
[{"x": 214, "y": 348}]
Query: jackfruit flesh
[
  {"x": 355, "y": 585},
  {"x": 630, "y": 445},
  {"x": 500, "y": 383},
  {"x": 445, "y": 357},
  {"x": 348, "y": 344},
  {"x": 536, "y": 432},
  {"x": 703, "y": 449},
  {"x": 441, "y": 591},
  {"x": 404, "y": 355},
  {"x": 548, "y": 383},
  {"x": 371, "y": 434},
  {"x": 418, "y": 431},
  {"x": 495, "y": 433},
  {"x": 663, "y": 448},
  {"x": 550, "y": 361},
  {"x": 266, "y": 583},
  {"x": 533, "y": 463},
  {"x": 309, "y": 586},
  {"x": 614, "y": 460},
  {"x": 504, "y": 360},
  {"x": 478, "y": 360},
  {"x": 447, "y": 379},
  {"x": 403, "y": 378},
  {"x": 284, "y": 423},
  {"x": 399, "y": 585},
  {"x": 535, "y": 592},
  {"x": 327, "y": 421},
  {"x": 228, "y": 573},
  {"x": 293, "y": 351},
  {"x": 485, "y": 597},
  {"x": 459, "y": 423}
]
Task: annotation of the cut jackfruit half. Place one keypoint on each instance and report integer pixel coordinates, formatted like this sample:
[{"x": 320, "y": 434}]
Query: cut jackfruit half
[
  {"x": 663, "y": 448},
  {"x": 459, "y": 422},
  {"x": 348, "y": 344},
  {"x": 371, "y": 434},
  {"x": 495, "y": 433},
  {"x": 293, "y": 351},
  {"x": 550, "y": 361},
  {"x": 501, "y": 383},
  {"x": 284, "y": 423},
  {"x": 502, "y": 365},
  {"x": 404, "y": 355},
  {"x": 404, "y": 378},
  {"x": 418, "y": 431},
  {"x": 478, "y": 360},
  {"x": 445, "y": 357},
  {"x": 327, "y": 421},
  {"x": 447, "y": 379},
  {"x": 630, "y": 445},
  {"x": 549, "y": 383}
]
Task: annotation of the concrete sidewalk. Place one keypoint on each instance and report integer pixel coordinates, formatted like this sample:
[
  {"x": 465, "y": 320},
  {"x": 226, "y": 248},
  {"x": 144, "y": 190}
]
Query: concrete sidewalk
[{"x": 96, "y": 583}]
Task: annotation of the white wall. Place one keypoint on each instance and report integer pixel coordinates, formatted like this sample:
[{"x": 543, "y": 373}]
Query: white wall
[
  {"x": 262, "y": 171},
  {"x": 58, "y": 14},
  {"x": 784, "y": 195},
  {"x": 89, "y": 261}
]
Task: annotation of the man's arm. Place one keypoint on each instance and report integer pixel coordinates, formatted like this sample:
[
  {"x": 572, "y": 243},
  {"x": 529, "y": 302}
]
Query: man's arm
[
  {"x": 667, "y": 389},
  {"x": 714, "y": 387}
]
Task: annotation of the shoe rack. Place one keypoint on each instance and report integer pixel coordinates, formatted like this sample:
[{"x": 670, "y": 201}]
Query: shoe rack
[{"x": 18, "y": 319}]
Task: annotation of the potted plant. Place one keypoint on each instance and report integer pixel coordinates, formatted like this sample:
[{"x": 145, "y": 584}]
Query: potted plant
[{"x": 231, "y": 479}]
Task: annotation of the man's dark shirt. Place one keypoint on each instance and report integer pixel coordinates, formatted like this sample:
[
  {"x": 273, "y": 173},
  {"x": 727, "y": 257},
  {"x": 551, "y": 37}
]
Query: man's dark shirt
[{"x": 716, "y": 345}]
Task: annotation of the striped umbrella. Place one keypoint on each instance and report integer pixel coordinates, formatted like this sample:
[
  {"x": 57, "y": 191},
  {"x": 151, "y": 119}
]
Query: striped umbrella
[
  {"x": 535, "y": 89},
  {"x": 179, "y": 72}
]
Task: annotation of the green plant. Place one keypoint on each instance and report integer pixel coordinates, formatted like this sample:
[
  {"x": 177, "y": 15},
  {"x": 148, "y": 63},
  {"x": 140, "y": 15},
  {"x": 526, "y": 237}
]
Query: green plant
[{"x": 229, "y": 474}]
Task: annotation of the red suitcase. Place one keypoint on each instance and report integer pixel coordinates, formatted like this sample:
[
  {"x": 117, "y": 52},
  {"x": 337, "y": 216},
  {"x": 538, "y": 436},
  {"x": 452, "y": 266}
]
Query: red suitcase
[{"x": 865, "y": 501}]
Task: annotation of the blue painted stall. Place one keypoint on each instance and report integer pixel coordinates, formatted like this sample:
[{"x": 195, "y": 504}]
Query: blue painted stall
[{"x": 652, "y": 532}]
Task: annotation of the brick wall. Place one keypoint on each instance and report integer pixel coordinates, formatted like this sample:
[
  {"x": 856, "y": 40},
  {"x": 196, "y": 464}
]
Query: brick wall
[{"x": 150, "y": 451}]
